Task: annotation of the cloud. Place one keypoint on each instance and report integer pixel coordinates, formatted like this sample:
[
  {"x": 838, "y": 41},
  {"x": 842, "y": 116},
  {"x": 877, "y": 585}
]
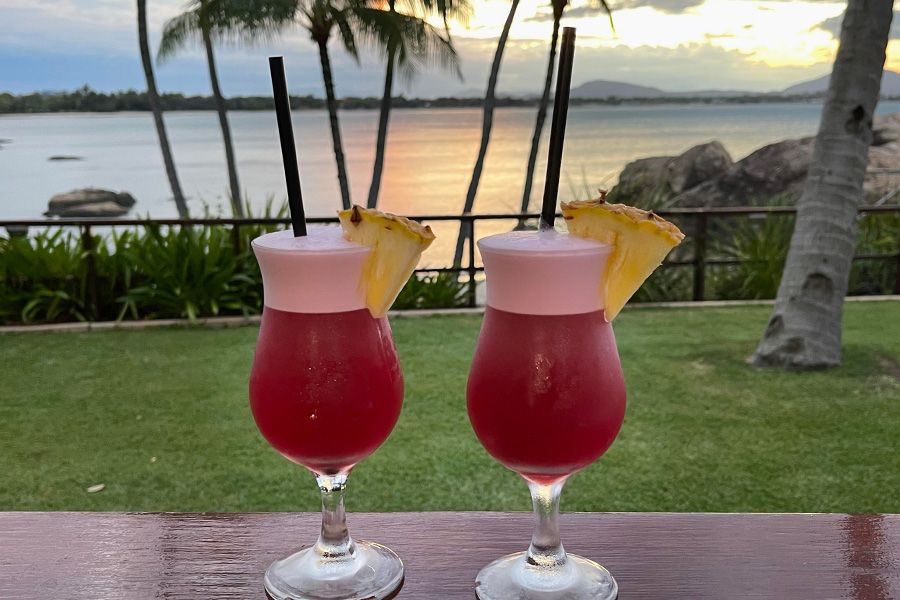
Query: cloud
[
  {"x": 833, "y": 26},
  {"x": 571, "y": 13},
  {"x": 666, "y": 6},
  {"x": 61, "y": 44},
  {"x": 684, "y": 68}
]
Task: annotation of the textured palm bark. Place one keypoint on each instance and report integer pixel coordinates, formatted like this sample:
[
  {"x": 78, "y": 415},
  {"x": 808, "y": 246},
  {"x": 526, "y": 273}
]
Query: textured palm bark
[
  {"x": 156, "y": 109},
  {"x": 237, "y": 205},
  {"x": 486, "y": 127},
  {"x": 804, "y": 331},
  {"x": 331, "y": 102}
]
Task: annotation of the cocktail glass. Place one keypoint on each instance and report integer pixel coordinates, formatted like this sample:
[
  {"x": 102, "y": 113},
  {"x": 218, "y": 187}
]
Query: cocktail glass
[
  {"x": 545, "y": 396},
  {"x": 325, "y": 391}
]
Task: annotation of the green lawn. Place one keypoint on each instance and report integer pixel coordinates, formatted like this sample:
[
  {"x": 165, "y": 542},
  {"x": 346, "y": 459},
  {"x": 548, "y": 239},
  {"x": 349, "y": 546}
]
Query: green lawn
[{"x": 704, "y": 431}]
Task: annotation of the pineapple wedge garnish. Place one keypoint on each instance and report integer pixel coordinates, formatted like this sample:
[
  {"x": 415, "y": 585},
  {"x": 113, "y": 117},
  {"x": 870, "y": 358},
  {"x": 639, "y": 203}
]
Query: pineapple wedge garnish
[
  {"x": 640, "y": 240},
  {"x": 396, "y": 243}
]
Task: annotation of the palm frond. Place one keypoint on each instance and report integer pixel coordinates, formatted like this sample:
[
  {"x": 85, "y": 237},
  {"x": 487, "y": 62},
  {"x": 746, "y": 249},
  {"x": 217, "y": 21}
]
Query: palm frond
[
  {"x": 458, "y": 10},
  {"x": 342, "y": 18},
  {"x": 415, "y": 43},
  {"x": 248, "y": 22},
  {"x": 178, "y": 32},
  {"x": 605, "y": 6},
  {"x": 237, "y": 22}
]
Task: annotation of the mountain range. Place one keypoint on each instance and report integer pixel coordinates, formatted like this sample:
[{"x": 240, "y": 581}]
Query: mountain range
[{"x": 599, "y": 88}]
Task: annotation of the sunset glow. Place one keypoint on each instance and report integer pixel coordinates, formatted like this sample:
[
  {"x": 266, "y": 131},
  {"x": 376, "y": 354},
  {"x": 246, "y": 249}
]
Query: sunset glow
[
  {"x": 679, "y": 45},
  {"x": 776, "y": 34}
]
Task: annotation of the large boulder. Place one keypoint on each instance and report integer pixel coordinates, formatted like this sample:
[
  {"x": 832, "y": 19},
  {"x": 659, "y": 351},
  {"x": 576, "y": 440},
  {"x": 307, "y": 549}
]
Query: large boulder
[
  {"x": 90, "y": 202},
  {"x": 651, "y": 182},
  {"x": 777, "y": 172},
  {"x": 774, "y": 171},
  {"x": 697, "y": 165},
  {"x": 642, "y": 182}
]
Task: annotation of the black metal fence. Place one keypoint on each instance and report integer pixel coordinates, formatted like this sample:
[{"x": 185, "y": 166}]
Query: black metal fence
[{"x": 696, "y": 221}]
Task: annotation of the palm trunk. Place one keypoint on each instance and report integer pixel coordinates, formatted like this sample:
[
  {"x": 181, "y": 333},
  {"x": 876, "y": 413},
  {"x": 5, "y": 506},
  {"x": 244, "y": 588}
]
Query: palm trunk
[
  {"x": 383, "y": 119},
  {"x": 539, "y": 121},
  {"x": 237, "y": 206},
  {"x": 804, "y": 331},
  {"x": 331, "y": 102},
  {"x": 156, "y": 109},
  {"x": 486, "y": 126}
]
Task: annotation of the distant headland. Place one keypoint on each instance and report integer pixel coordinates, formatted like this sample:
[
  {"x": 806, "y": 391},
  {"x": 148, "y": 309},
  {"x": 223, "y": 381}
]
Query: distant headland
[{"x": 600, "y": 92}]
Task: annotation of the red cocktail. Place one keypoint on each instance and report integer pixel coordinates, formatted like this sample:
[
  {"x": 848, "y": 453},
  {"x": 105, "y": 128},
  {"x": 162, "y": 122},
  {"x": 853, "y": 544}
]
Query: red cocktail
[
  {"x": 326, "y": 388},
  {"x": 545, "y": 394},
  {"x": 325, "y": 391}
]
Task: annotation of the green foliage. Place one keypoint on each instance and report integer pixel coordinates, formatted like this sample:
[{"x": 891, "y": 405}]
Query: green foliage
[
  {"x": 761, "y": 242},
  {"x": 668, "y": 284},
  {"x": 88, "y": 100},
  {"x": 42, "y": 278},
  {"x": 878, "y": 234},
  {"x": 442, "y": 290},
  {"x": 189, "y": 272},
  {"x": 157, "y": 272}
]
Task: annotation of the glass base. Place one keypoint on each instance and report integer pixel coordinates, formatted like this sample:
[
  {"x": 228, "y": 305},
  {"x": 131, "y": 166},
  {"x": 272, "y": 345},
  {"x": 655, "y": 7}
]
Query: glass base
[
  {"x": 511, "y": 578},
  {"x": 375, "y": 573}
]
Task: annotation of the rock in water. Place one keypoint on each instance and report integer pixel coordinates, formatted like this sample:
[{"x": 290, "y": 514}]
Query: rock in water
[
  {"x": 90, "y": 202},
  {"x": 652, "y": 182}
]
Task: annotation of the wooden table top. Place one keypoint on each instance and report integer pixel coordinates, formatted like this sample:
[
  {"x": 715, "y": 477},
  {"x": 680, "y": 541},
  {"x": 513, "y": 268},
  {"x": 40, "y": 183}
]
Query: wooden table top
[{"x": 99, "y": 556}]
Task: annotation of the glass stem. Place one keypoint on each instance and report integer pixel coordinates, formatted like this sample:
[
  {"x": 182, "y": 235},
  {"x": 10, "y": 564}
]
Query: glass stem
[
  {"x": 546, "y": 549},
  {"x": 334, "y": 543}
]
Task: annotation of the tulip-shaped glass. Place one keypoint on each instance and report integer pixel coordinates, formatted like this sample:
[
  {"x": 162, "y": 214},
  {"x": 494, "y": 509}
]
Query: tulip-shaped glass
[
  {"x": 325, "y": 391},
  {"x": 545, "y": 397}
]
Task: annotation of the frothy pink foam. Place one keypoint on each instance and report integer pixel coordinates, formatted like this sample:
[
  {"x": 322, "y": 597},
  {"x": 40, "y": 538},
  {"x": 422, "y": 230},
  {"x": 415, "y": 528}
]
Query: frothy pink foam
[
  {"x": 543, "y": 272},
  {"x": 317, "y": 273}
]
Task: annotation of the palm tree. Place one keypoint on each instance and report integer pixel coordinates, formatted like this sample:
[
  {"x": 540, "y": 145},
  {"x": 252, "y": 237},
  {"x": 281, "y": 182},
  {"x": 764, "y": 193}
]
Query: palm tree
[
  {"x": 205, "y": 20},
  {"x": 320, "y": 18},
  {"x": 156, "y": 109},
  {"x": 486, "y": 126},
  {"x": 410, "y": 42},
  {"x": 804, "y": 331},
  {"x": 559, "y": 6}
]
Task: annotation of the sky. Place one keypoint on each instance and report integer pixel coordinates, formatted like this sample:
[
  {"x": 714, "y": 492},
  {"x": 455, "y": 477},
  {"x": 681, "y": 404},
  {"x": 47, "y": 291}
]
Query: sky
[{"x": 676, "y": 45}]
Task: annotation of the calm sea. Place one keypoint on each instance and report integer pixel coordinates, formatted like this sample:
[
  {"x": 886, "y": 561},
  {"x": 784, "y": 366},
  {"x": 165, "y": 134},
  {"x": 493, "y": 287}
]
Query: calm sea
[{"x": 429, "y": 157}]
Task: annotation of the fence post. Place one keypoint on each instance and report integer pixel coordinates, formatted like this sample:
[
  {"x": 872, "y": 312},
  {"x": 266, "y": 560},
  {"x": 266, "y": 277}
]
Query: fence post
[
  {"x": 236, "y": 238},
  {"x": 87, "y": 245},
  {"x": 897, "y": 275},
  {"x": 700, "y": 259},
  {"x": 470, "y": 225}
]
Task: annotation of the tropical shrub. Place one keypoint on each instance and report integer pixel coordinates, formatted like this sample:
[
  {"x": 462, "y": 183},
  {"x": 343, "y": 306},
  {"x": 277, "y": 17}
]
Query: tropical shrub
[
  {"x": 879, "y": 233},
  {"x": 192, "y": 272},
  {"x": 42, "y": 278},
  {"x": 762, "y": 243},
  {"x": 156, "y": 272},
  {"x": 442, "y": 290}
]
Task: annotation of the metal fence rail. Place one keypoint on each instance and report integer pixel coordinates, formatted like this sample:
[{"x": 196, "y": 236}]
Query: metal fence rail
[{"x": 696, "y": 220}]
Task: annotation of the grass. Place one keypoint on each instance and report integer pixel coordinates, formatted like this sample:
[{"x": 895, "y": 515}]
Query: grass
[{"x": 704, "y": 431}]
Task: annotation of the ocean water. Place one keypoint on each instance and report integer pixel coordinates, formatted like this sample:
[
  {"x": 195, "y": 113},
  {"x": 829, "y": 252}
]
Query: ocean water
[{"x": 429, "y": 156}]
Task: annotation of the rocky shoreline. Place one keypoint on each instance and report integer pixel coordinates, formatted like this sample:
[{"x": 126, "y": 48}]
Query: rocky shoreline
[{"x": 706, "y": 175}]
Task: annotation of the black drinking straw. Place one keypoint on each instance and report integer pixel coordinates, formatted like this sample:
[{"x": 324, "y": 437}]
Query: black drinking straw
[
  {"x": 288, "y": 150},
  {"x": 558, "y": 127}
]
